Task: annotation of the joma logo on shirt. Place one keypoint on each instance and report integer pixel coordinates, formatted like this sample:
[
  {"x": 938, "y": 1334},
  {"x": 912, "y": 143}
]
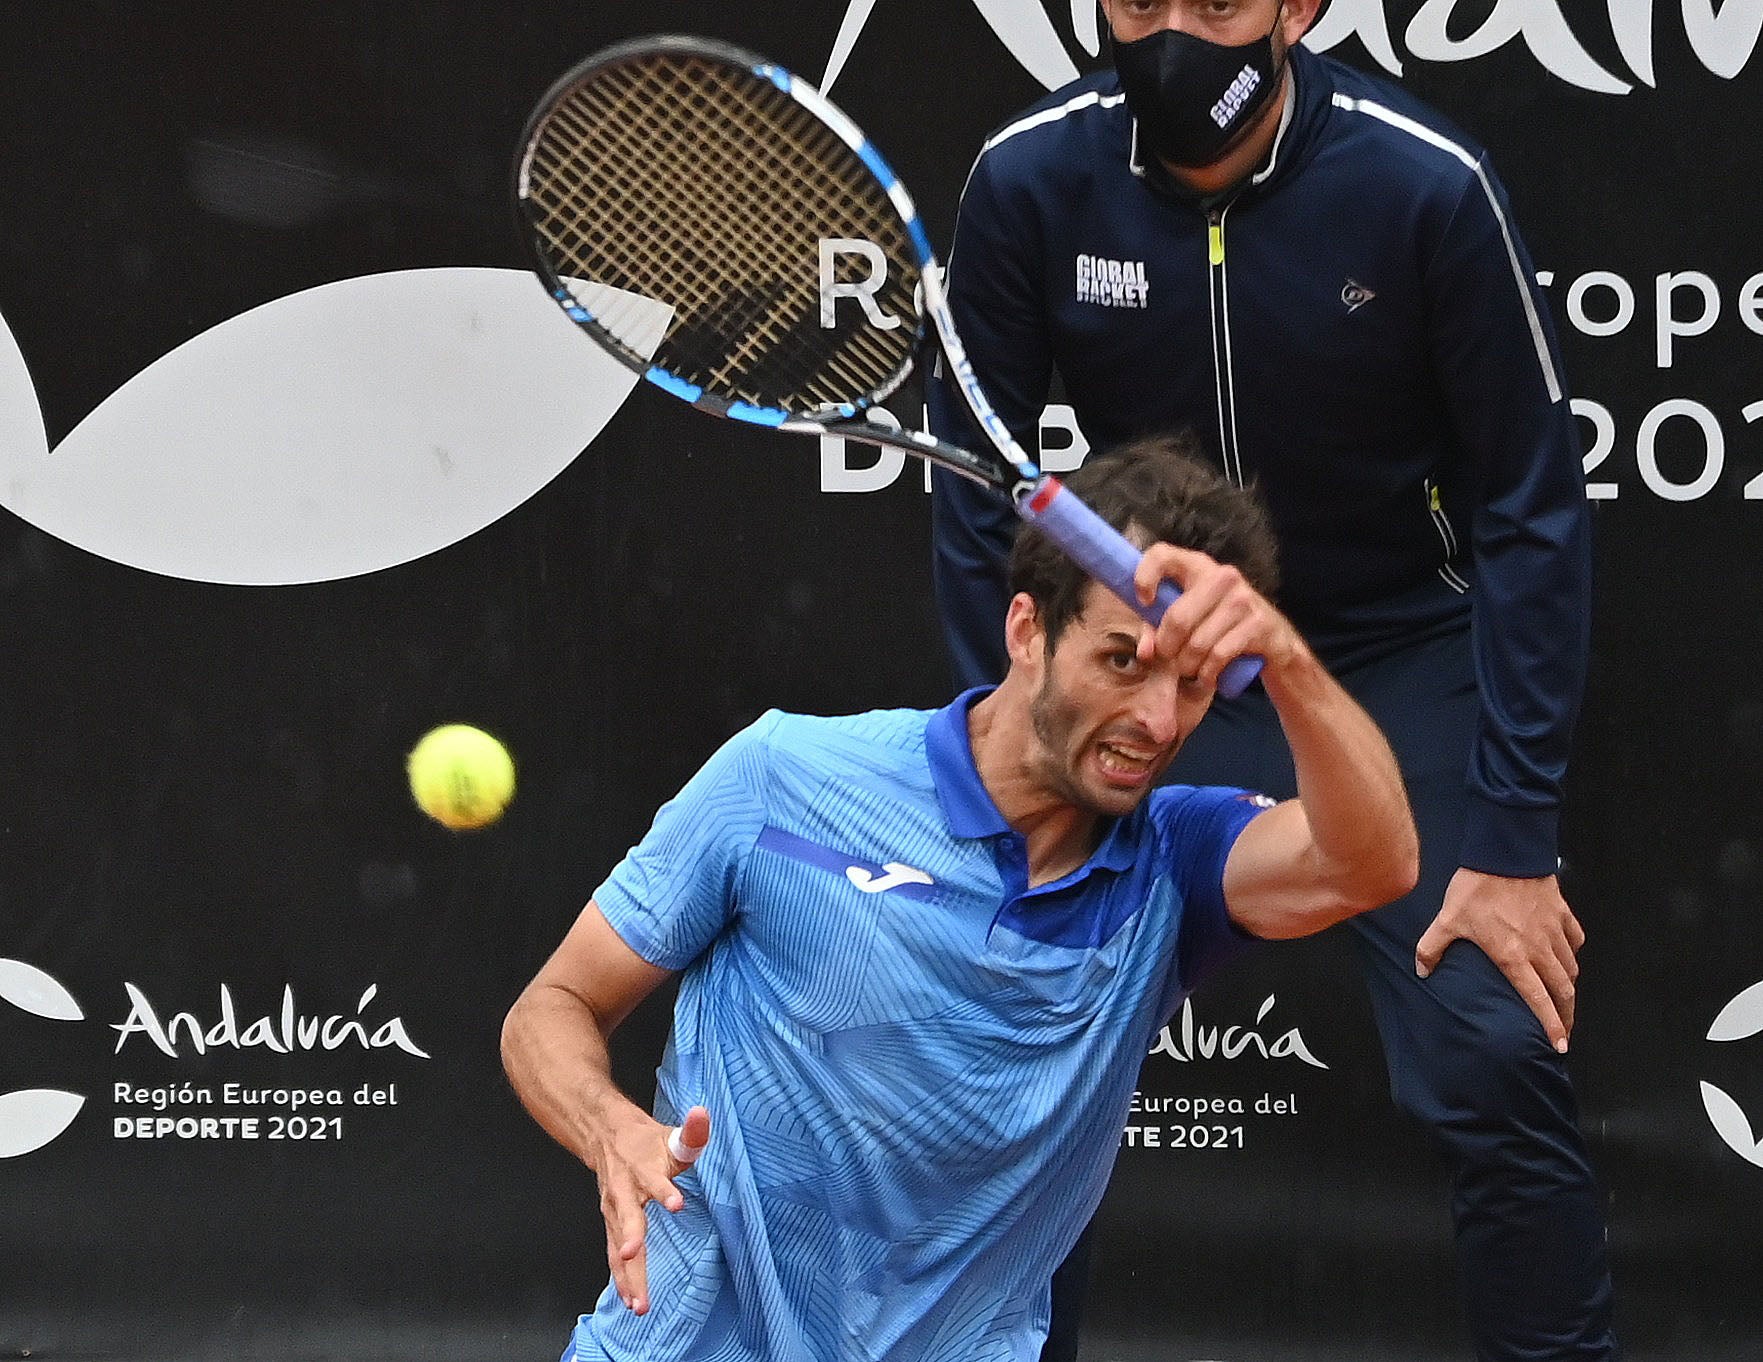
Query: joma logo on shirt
[
  {"x": 896, "y": 875},
  {"x": 1112, "y": 283}
]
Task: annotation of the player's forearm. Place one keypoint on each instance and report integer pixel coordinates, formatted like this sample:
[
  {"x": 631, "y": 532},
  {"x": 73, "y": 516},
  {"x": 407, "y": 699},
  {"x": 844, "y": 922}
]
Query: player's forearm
[
  {"x": 554, "y": 1052},
  {"x": 1364, "y": 846}
]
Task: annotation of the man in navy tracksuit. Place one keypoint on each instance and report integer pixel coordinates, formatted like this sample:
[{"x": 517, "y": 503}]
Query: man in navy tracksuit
[{"x": 1320, "y": 277}]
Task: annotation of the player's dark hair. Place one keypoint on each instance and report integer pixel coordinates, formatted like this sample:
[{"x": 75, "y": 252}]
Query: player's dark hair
[{"x": 1156, "y": 490}]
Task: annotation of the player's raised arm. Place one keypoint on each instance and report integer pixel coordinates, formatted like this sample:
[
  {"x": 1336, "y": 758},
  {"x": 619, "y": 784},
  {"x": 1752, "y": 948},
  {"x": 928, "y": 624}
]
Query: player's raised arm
[
  {"x": 554, "y": 1050},
  {"x": 1347, "y": 843}
]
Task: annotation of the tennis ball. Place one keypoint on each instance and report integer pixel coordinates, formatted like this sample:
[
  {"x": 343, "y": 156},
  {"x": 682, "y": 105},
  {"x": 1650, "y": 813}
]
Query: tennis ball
[{"x": 461, "y": 776}]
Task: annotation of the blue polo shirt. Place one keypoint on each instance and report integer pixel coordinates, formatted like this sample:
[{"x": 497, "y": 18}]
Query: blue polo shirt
[{"x": 917, "y": 1067}]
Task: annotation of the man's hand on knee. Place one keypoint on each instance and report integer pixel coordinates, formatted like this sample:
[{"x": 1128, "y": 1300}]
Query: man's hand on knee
[{"x": 1526, "y": 928}]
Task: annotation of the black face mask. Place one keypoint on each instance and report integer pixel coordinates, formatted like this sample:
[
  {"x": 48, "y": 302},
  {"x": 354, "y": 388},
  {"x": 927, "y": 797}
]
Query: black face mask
[{"x": 1191, "y": 97}]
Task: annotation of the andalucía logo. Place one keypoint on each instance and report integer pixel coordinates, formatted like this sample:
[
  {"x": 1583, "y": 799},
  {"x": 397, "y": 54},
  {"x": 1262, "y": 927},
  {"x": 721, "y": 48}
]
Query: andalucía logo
[
  {"x": 32, "y": 1117},
  {"x": 1723, "y": 36},
  {"x": 1186, "y": 1041},
  {"x": 1740, "y": 1019},
  {"x": 286, "y": 1032}
]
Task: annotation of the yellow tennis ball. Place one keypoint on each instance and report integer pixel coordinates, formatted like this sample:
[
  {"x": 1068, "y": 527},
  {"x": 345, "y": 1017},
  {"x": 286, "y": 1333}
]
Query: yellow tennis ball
[{"x": 461, "y": 776}]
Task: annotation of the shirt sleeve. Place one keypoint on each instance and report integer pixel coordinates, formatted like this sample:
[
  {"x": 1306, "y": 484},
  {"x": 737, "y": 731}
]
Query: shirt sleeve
[
  {"x": 1496, "y": 356},
  {"x": 675, "y": 891},
  {"x": 1200, "y": 825},
  {"x": 995, "y": 296}
]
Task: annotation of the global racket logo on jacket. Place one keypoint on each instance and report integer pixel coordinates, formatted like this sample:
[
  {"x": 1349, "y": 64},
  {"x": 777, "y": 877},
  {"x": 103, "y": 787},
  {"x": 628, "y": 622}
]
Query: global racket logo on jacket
[{"x": 1112, "y": 283}]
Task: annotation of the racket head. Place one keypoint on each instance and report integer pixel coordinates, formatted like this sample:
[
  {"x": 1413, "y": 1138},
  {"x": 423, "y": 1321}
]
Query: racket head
[{"x": 677, "y": 195}]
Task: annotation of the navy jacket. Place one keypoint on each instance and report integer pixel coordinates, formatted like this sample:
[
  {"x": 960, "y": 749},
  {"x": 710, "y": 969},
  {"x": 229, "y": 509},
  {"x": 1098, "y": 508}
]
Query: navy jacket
[{"x": 1357, "y": 331}]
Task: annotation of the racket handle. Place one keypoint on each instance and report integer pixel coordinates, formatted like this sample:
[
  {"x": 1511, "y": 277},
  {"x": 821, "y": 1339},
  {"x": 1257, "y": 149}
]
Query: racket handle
[{"x": 1110, "y": 557}]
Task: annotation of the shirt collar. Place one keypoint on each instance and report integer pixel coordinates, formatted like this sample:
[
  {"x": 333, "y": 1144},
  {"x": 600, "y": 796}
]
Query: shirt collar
[
  {"x": 1120, "y": 844},
  {"x": 967, "y": 804}
]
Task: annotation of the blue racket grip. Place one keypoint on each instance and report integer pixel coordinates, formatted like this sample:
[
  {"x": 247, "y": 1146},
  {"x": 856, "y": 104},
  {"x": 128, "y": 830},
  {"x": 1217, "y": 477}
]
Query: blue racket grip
[{"x": 1108, "y": 556}]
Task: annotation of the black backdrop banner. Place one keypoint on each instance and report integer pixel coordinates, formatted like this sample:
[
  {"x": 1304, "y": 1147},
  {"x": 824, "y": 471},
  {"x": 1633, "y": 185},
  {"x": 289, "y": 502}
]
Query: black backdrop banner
[{"x": 296, "y": 463}]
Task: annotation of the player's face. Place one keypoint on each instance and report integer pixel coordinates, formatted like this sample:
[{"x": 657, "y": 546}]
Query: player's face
[{"x": 1107, "y": 725}]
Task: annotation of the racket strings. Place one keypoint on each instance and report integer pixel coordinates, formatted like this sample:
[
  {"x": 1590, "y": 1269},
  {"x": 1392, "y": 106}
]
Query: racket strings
[
  {"x": 726, "y": 156},
  {"x": 709, "y": 190},
  {"x": 652, "y": 226},
  {"x": 729, "y": 161},
  {"x": 669, "y": 200}
]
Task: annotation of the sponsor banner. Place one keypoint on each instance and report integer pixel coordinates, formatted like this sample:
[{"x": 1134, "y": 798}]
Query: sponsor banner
[
  {"x": 1196, "y": 1119},
  {"x": 247, "y": 1111},
  {"x": 296, "y": 461},
  {"x": 307, "y": 1094}
]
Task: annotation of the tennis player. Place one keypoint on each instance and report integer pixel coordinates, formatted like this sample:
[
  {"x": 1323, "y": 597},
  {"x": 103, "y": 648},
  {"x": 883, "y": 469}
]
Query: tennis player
[{"x": 924, "y": 955}]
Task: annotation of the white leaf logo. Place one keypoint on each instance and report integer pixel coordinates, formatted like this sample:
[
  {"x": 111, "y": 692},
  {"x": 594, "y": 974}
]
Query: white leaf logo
[
  {"x": 1033, "y": 41},
  {"x": 30, "y": 990},
  {"x": 29, "y": 1119},
  {"x": 33, "y": 1117},
  {"x": 333, "y": 432},
  {"x": 1731, "y": 1124},
  {"x": 21, "y": 418},
  {"x": 1740, "y": 1019},
  {"x": 1022, "y": 25}
]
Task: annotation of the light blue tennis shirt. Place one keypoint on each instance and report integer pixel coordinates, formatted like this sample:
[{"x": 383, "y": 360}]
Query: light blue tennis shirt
[{"x": 917, "y": 1067}]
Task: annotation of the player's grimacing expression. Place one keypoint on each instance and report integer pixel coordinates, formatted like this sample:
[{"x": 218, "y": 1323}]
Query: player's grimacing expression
[{"x": 1106, "y": 724}]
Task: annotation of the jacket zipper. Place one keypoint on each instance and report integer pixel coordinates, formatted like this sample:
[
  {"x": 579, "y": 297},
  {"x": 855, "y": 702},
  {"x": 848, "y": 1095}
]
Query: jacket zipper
[
  {"x": 1223, "y": 376},
  {"x": 1447, "y": 535},
  {"x": 1228, "y": 451}
]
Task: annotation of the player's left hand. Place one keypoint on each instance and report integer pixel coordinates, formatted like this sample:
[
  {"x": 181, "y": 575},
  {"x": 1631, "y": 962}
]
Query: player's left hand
[
  {"x": 1526, "y": 928},
  {"x": 638, "y": 1165}
]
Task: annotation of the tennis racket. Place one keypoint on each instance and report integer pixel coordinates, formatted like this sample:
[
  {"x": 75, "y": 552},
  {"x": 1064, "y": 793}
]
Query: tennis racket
[{"x": 721, "y": 228}]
